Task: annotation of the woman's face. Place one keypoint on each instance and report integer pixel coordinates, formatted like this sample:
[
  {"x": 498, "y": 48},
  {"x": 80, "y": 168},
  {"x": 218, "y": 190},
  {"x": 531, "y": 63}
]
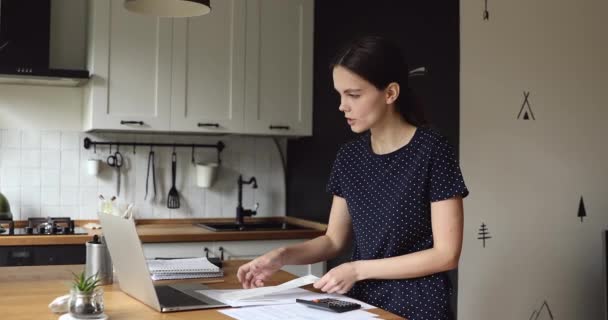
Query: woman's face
[{"x": 362, "y": 103}]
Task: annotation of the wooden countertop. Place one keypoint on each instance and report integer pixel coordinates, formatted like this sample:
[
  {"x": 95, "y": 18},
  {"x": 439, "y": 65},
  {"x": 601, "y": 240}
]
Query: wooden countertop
[
  {"x": 26, "y": 292},
  {"x": 178, "y": 230}
]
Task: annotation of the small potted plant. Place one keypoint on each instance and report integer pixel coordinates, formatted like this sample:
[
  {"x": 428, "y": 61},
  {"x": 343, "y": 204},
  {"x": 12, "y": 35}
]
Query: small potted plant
[{"x": 86, "y": 297}]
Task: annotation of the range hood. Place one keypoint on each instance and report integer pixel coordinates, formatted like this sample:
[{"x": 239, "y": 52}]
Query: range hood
[{"x": 24, "y": 46}]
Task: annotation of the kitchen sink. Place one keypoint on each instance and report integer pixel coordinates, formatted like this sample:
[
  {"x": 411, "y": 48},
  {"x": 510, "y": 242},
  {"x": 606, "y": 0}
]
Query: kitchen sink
[{"x": 252, "y": 226}]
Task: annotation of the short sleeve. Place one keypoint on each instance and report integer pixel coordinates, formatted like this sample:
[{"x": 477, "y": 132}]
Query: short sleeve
[
  {"x": 446, "y": 179},
  {"x": 334, "y": 185}
]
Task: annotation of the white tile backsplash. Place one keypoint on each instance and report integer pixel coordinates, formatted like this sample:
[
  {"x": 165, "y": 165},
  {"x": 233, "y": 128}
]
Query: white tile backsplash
[
  {"x": 11, "y": 157},
  {"x": 70, "y": 141},
  {"x": 69, "y": 160},
  {"x": 30, "y": 158},
  {"x": 50, "y": 196},
  {"x": 30, "y": 140},
  {"x": 51, "y": 140},
  {"x": 30, "y": 177},
  {"x": 11, "y": 177},
  {"x": 50, "y": 159},
  {"x": 69, "y": 196},
  {"x": 31, "y": 196},
  {"x": 11, "y": 138},
  {"x": 46, "y": 175},
  {"x": 49, "y": 178},
  {"x": 69, "y": 178}
]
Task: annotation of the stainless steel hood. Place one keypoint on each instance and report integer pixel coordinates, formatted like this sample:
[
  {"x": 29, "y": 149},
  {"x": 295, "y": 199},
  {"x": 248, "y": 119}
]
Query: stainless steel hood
[
  {"x": 46, "y": 77},
  {"x": 24, "y": 46}
]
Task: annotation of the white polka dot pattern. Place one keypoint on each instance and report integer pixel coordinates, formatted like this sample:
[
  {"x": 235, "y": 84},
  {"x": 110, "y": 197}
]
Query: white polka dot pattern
[{"x": 389, "y": 199}]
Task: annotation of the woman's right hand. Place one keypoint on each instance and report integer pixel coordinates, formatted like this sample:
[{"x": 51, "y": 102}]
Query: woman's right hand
[{"x": 254, "y": 273}]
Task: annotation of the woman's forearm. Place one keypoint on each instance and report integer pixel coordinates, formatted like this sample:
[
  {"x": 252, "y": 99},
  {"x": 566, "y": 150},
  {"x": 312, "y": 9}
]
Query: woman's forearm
[
  {"x": 312, "y": 251},
  {"x": 413, "y": 265}
]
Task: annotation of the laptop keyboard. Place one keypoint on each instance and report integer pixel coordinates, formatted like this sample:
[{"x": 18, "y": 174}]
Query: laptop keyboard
[{"x": 170, "y": 297}]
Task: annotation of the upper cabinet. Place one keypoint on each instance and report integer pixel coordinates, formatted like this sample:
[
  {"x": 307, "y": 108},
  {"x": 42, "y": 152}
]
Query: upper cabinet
[
  {"x": 209, "y": 70},
  {"x": 278, "y": 94},
  {"x": 244, "y": 68},
  {"x": 129, "y": 58}
]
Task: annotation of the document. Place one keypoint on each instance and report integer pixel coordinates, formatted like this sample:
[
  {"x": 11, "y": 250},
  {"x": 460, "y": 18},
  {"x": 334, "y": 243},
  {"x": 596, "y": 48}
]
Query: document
[
  {"x": 284, "y": 297},
  {"x": 294, "y": 311},
  {"x": 241, "y": 294}
]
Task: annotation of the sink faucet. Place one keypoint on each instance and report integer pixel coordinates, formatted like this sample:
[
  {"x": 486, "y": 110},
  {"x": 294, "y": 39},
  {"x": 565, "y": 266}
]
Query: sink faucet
[{"x": 240, "y": 211}]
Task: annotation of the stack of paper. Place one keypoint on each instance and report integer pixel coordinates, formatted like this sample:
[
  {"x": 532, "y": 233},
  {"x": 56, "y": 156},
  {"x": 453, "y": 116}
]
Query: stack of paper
[
  {"x": 187, "y": 268},
  {"x": 262, "y": 303},
  {"x": 294, "y": 311}
]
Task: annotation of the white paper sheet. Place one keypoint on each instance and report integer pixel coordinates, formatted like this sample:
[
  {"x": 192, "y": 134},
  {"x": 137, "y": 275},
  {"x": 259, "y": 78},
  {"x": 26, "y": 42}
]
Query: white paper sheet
[
  {"x": 294, "y": 311},
  {"x": 262, "y": 291},
  {"x": 284, "y": 297}
]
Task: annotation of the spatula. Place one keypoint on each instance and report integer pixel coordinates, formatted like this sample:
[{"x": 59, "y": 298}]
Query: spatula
[{"x": 173, "y": 198}]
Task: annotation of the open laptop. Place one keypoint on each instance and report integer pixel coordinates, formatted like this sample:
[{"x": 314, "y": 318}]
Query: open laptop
[{"x": 133, "y": 275}]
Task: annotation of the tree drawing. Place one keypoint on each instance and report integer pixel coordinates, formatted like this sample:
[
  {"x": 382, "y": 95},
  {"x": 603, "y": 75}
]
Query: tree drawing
[
  {"x": 526, "y": 109},
  {"x": 544, "y": 311},
  {"x": 486, "y": 14},
  {"x": 483, "y": 234},
  {"x": 582, "y": 213}
]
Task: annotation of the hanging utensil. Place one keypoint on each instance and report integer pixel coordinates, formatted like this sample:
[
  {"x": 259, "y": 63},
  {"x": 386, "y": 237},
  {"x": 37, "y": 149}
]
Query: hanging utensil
[
  {"x": 116, "y": 162},
  {"x": 151, "y": 166},
  {"x": 173, "y": 198}
]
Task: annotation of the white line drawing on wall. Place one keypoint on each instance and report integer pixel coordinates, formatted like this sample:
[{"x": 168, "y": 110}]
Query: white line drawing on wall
[
  {"x": 544, "y": 313},
  {"x": 526, "y": 108},
  {"x": 483, "y": 234},
  {"x": 486, "y": 13},
  {"x": 582, "y": 213}
]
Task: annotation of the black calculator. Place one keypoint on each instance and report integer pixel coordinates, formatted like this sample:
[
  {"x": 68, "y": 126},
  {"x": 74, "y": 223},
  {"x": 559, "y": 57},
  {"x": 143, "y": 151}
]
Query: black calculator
[{"x": 330, "y": 304}]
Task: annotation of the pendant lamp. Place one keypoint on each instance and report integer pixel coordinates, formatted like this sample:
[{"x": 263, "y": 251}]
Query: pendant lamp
[{"x": 169, "y": 8}]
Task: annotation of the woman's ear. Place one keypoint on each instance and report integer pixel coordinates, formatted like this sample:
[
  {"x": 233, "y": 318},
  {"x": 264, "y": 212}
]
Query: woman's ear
[{"x": 392, "y": 92}]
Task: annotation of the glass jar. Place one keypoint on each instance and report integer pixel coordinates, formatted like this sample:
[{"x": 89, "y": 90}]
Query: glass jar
[{"x": 86, "y": 305}]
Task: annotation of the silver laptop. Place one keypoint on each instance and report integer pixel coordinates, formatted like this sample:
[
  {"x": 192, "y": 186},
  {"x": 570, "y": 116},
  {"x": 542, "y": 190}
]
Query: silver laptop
[{"x": 134, "y": 277}]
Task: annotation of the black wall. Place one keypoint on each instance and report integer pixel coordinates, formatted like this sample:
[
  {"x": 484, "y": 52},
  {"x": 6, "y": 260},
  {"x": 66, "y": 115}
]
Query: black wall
[{"x": 428, "y": 32}]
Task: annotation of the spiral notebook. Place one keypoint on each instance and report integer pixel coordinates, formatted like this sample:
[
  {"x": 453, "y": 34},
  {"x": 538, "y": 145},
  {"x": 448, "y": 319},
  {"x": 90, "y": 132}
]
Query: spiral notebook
[{"x": 187, "y": 268}]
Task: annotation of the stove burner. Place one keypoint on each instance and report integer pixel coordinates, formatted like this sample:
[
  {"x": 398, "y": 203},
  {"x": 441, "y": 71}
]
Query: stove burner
[{"x": 42, "y": 226}]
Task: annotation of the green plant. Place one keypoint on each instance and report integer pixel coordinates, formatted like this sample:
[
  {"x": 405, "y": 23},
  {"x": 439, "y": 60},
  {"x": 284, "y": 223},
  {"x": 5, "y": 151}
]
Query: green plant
[{"x": 85, "y": 284}]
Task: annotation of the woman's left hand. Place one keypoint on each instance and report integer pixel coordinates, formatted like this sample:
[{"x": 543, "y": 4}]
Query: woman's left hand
[{"x": 339, "y": 279}]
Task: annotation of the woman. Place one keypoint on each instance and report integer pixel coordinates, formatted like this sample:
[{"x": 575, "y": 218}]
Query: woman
[{"x": 397, "y": 192}]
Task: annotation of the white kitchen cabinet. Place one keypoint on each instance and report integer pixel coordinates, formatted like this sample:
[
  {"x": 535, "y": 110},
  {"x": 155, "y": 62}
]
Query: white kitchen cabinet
[
  {"x": 279, "y": 67},
  {"x": 176, "y": 249},
  {"x": 209, "y": 70},
  {"x": 229, "y": 250},
  {"x": 129, "y": 57},
  {"x": 244, "y": 68}
]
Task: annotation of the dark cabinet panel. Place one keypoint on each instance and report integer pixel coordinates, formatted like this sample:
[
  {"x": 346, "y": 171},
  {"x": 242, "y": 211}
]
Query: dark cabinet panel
[{"x": 42, "y": 255}]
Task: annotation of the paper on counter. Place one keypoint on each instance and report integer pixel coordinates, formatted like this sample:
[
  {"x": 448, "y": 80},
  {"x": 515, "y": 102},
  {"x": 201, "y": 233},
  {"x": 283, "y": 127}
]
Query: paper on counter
[
  {"x": 294, "y": 311},
  {"x": 262, "y": 291},
  {"x": 283, "y": 297}
]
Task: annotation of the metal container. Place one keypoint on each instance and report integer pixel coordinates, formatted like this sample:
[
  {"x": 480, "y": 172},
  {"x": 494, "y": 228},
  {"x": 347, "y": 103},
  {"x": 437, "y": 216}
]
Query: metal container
[{"x": 98, "y": 261}]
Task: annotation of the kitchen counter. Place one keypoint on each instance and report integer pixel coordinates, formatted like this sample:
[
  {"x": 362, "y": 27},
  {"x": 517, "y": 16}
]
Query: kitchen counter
[
  {"x": 178, "y": 230},
  {"x": 27, "y": 291}
]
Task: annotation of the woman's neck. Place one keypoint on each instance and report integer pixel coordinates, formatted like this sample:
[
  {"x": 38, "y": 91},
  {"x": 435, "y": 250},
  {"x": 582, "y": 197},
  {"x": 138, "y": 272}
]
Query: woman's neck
[{"x": 391, "y": 134}]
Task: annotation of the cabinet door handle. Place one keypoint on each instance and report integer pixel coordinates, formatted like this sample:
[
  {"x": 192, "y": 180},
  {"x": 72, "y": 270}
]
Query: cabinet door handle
[
  {"x": 217, "y": 125},
  {"x": 141, "y": 123},
  {"x": 221, "y": 253},
  {"x": 206, "y": 252},
  {"x": 271, "y": 127}
]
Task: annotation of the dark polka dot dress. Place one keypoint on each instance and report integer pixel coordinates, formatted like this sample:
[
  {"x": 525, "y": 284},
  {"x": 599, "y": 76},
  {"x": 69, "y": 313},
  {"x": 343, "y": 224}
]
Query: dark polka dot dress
[{"x": 389, "y": 198}]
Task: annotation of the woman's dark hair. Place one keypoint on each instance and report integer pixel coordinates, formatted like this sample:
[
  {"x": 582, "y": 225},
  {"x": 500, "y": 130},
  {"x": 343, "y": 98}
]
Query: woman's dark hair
[{"x": 381, "y": 62}]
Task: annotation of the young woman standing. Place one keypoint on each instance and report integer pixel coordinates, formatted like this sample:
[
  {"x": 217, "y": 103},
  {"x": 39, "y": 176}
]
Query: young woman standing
[{"x": 397, "y": 190}]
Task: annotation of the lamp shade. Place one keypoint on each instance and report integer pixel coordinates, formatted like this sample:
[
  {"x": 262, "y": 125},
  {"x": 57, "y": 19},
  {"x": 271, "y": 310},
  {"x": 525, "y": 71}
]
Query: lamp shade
[
  {"x": 5, "y": 209},
  {"x": 169, "y": 8}
]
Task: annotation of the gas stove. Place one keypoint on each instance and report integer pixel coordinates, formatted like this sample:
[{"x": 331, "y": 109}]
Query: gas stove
[{"x": 42, "y": 226}]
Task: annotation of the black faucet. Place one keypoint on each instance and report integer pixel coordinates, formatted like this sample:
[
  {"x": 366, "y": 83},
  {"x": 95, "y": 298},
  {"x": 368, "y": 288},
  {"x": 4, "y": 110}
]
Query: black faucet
[{"x": 240, "y": 211}]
